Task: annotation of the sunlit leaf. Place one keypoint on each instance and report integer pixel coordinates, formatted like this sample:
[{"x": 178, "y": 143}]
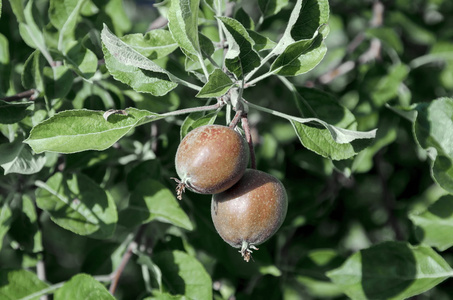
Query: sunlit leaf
[
  {"x": 82, "y": 60},
  {"x": 78, "y": 204},
  {"x": 218, "y": 84},
  {"x": 183, "y": 24},
  {"x": 391, "y": 270},
  {"x": 134, "y": 69},
  {"x": 433, "y": 130},
  {"x": 240, "y": 58},
  {"x": 5, "y": 221},
  {"x": 16, "y": 284},
  {"x": 184, "y": 275},
  {"x": 17, "y": 157},
  {"x": 300, "y": 57},
  {"x": 154, "y": 44},
  {"x": 64, "y": 16},
  {"x": 151, "y": 200},
  {"x": 271, "y": 7},
  {"x": 435, "y": 224},
  {"x": 79, "y": 130},
  {"x": 305, "y": 19},
  {"x": 83, "y": 286},
  {"x": 329, "y": 129},
  {"x": 196, "y": 119}
]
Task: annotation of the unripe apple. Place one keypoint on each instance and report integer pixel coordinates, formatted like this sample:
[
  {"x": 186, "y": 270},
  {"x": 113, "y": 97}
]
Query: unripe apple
[
  {"x": 210, "y": 159},
  {"x": 251, "y": 211}
]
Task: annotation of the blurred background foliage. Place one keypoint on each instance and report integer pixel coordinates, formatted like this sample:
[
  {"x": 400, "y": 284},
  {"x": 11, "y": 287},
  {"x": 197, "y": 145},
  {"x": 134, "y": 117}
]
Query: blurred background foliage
[{"x": 382, "y": 58}]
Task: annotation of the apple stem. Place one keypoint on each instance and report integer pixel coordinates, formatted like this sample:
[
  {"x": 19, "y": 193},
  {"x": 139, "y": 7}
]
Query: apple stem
[
  {"x": 248, "y": 137},
  {"x": 236, "y": 118}
]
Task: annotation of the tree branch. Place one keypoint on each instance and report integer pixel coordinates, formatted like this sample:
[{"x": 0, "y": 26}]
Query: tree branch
[
  {"x": 127, "y": 255},
  {"x": 30, "y": 95}
]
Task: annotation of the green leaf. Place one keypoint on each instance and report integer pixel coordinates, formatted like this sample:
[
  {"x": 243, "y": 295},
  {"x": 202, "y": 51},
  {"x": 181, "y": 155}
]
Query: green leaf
[
  {"x": 82, "y": 60},
  {"x": 218, "y": 84},
  {"x": 80, "y": 130},
  {"x": 336, "y": 138},
  {"x": 64, "y": 16},
  {"x": 145, "y": 260},
  {"x": 300, "y": 57},
  {"x": 154, "y": 44},
  {"x": 441, "y": 52},
  {"x": 271, "y": 7},
  {"x": 196, "y": 119},
  {"x": 261, "y": 42},
  {"x": 16, "y": 284},
  {"x": 17, "y": 157},
  {"x": 146, "y": 169},
  {"x": 83, "y": 286},
  {"x": 5, "y": 65},
  {"x": 30, "y": 28},
  {"x": 57, "y": 81},
  {"x": 387, "y": 35},
  {"x": 24, "y": 228},
  {"x": 150, "y": 201},
  {"x": 183, "y": 24},
  {"x": 314, "y": 14},
  {"x": 240, "y": 58},
  {"x": 132, "y": 68},
  {"x": 305, "y": 19},
  {"x": 411, "y": 29},
  {"x": 433, "y": 130},
  {"x": 13, "y": 112},
  {"x": 32, "y": 74},
  {"x": 244, "y": 18},
  {"x": 435, "y": 225},
  {"x": 311, "y": 271},
  {"x": 388, "y": 86},
  {"x": 5, "y": 221},
  {"x": 18, "y": 9},
  {"x": 77, "y": 203},
  {"x": 184, "y": 275},
  {"x": 164, "y": 296},
  {"x": 60, "y": 11},
  {"x": 114, "y": 12},
  {"x": 391, "y": 270}
]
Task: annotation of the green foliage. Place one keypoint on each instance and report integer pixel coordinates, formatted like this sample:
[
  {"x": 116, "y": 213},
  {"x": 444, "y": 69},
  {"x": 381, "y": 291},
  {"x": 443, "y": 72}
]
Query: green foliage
[{"x": 348, "y": 103}]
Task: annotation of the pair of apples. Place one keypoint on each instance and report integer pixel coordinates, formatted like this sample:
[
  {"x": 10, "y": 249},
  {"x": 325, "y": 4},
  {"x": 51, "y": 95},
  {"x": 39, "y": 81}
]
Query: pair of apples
[{"x": 248, "y": 206}]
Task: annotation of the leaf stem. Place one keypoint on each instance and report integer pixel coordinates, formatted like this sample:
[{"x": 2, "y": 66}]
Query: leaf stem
[
  {"x": 186, "y": 83},
  {"x": 203, "y": 66},
  {"x": 259, "y": 78},
  {"x": 219, "y": 104},
  {"x": 275, "y": 113},
  {"x": 287, "y": 83},
  {"x": 263, "y": 62}
]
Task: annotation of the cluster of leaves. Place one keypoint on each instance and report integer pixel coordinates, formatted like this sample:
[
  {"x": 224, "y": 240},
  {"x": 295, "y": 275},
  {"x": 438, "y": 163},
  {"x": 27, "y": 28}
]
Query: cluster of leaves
[{"x": 87, "y": 163}]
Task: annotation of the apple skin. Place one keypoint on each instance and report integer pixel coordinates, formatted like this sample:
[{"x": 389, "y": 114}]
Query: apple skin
[
  {"x": 251, "y": 211},
  {"x": 211, "y": 158}
]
